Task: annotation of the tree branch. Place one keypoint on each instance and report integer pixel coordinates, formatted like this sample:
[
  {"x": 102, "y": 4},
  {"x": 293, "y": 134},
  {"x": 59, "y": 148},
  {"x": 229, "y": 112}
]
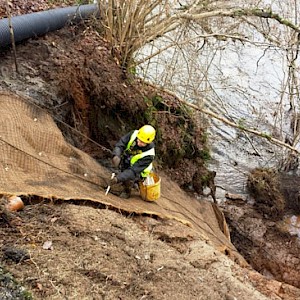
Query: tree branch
[
  {"x": 227, "y": 122},
  {"x": 255, "y": 12}
]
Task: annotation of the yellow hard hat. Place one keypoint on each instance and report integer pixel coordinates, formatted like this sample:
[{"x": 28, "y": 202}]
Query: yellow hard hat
[{"x": 146, "y": 134}]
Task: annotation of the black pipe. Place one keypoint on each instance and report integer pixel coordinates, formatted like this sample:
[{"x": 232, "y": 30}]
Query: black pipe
[{"x": 39, "y": 23}]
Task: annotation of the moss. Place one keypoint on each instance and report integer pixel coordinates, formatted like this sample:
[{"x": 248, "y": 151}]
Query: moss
[
  {"x": 205, "y": 179},
  {"x": 132, "y": 70},
  {"x": 241, "y": 123},
  {"x": 266, "y": 135},
  {"x": 27, "y": 295},
  {"x": 157, "y": 101},
  {"x": 204, "y": 137},
  {"x": 239, "y": 13},
  {"x": 10, "y": 288},
  {"x": 263, "y": 185},
  {"x": 205, "y": 155}
]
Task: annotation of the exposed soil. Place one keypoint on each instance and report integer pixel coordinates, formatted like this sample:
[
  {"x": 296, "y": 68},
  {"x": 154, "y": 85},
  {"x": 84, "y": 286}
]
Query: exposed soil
[
  {"x": 90, "y": 253},
  {"x": 68, "y": 251},
  {"x": 263, "y": 231},
  {"x": 264, "y": 186},
  {"x": 269, "y": 248},
  {"x": 26, "y": 7}
]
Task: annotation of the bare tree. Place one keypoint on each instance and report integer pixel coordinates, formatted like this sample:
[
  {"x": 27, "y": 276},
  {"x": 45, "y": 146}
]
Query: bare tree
[
  {"x": 130, "y": 24},
  {"x": 184, "y": 44}
]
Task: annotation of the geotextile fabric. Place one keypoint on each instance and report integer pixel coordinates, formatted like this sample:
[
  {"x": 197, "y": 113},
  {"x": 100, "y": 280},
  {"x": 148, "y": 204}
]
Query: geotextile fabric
[{"x": 37, "y": 161}]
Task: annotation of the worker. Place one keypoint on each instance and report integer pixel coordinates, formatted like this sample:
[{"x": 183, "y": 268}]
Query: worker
[{"x": 133, "y": 155}]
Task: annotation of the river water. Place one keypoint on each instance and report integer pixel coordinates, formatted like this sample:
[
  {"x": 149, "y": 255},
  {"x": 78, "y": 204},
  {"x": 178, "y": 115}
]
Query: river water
[
  {"x": 245, "y": 83},
  {"x": 250, "y": 97},
  {"x": 242, "y": 83}
]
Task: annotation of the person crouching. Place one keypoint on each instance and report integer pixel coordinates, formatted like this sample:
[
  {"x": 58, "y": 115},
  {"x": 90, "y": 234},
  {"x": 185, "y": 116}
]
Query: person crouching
[{"x": 133, "y": 154}]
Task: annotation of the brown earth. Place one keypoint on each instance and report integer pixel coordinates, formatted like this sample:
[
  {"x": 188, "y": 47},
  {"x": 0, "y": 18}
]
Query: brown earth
[
  {"x": 97, "y": 253},
  {"x": 89, "y": 251},
  {"x": 19, "y": 7}
]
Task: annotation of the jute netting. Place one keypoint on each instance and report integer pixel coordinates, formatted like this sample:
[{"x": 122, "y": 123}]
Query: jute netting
[{"x": 37, "y": 161}]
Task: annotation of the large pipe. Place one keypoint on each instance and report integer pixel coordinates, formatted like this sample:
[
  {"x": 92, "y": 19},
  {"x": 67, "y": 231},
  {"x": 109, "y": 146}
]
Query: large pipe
[{"x": 39, "y": 23}]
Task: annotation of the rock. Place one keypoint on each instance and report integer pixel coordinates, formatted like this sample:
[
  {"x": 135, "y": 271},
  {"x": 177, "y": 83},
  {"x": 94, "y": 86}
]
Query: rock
[
  {"x": 15, "y": 254},
  {"x": 235, "y": 197}
]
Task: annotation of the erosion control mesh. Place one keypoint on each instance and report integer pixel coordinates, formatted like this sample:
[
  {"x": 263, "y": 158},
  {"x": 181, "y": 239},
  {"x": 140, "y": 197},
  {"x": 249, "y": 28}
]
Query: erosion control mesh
[{"x": 36, "y": 160}]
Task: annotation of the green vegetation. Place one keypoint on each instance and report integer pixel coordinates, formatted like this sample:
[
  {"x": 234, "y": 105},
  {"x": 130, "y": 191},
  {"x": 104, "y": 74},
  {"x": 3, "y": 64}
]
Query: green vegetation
[
  {"x": 241, "y": 123},
  {"x": 205, "y": 155},
  {"x": 266, "y": 135},
  {"x": 178, "y": 134},
  {"x": 11, "y": 288}
]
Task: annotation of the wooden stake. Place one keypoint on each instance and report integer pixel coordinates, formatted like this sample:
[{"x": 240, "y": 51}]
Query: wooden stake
[
  {"x": 108, "y": 188},
  {"x": 12, "y": 35}
]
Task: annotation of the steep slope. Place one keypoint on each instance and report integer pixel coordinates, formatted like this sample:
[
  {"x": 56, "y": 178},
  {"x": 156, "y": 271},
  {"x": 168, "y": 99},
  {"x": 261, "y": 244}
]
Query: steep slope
[
  {"x": 93, "y": 249},
  {"x": 89, "y": 252}
]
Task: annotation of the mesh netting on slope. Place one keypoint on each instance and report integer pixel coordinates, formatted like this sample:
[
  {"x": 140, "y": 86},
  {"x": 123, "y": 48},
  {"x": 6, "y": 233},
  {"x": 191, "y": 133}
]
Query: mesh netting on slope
[{"x": 36, "y": 160}]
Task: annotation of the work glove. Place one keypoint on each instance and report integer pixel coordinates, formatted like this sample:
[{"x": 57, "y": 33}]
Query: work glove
[
  {"x": 116, "y": 161},
  {"x": 113, "y": 181}
]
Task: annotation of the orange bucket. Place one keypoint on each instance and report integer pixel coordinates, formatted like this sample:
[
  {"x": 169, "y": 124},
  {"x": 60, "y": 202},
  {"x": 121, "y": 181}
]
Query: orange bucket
[{"x": 150, "y": 192}]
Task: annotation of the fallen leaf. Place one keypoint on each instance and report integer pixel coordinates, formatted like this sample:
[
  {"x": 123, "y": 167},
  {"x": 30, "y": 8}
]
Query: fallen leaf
[{"x": 48, "y": 245}]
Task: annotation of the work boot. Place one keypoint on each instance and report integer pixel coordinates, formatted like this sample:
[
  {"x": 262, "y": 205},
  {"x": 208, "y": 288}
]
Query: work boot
[
  {"x": 125, "y": 195},
  {"x": 127, "y": 185},
  {"x": 136, "y": 186}
]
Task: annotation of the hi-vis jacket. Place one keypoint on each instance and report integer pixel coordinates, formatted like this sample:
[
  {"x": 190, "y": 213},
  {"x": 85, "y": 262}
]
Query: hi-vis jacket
[{"x": 136, "y": 161}]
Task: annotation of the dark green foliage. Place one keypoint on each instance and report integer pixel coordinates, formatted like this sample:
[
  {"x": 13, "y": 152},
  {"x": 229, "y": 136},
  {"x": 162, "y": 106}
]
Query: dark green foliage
[{"x": 179, "y": 135}]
